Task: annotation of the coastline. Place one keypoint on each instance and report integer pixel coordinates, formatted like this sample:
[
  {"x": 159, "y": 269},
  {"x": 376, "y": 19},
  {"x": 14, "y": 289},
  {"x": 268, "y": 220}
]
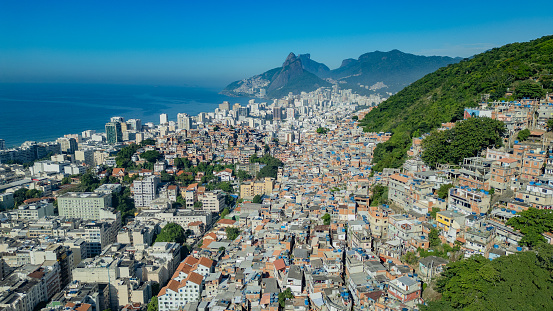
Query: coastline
[{"x": 59, "y": 109}]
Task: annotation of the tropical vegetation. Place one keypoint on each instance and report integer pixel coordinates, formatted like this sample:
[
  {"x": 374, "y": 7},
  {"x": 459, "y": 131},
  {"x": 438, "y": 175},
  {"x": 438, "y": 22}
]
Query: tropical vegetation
[
  {"x": 442, "y": 95},
  {"x": 520, "y": 281},
  {"x": 465, "y": 140}
]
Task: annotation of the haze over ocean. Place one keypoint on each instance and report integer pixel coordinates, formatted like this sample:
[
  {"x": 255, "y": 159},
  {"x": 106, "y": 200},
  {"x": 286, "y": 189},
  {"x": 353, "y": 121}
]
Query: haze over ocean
[{"x": 44, "y": 112}]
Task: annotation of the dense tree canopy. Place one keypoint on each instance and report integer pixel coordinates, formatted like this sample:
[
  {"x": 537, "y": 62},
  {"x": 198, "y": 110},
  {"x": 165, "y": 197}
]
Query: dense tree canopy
[
  {"x": 225, "y": 212},
  {"x": 532, "y": 223},
  {"x": 443, "y": 192},
  {"x": 257, "y": 199},
  {"x": 322, "y": 130},
  {"x": 153, "y": 304},
  {"x": 172, "y": 232},
  {"x": 151, "y": 156},
  {"x": 326, "y": 219},
  {"x": 271, "y": 165},
  {"x": 520, "y": 281},
  {"x": 243, "y": 175},
  {"x": 285, "y": 295},
  {"x": 379, "y": 195},
  {"x": 232, "y": 232},
  {"x": 123, "y": 158},
  {"x": 465, "y": 140},
  {"x": 434, "y": 237},
  {"x": 523, "y": 135},
  {"x": 181, "y": 163},
  {"x": 23, "y": 194},
  {"x": 123, "y": 203},
  {"x": 529, "y": 89},
  {"x": 89, "y": 182}
]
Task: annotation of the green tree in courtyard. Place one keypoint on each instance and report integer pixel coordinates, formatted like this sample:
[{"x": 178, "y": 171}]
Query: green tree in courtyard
[
  {"x": 285, "y": 295},
  {"x": 322, "y": 130},
  {"x": 153, "y": 304},
  {"x": 151, "y": 156},
  {"x": 434, "y": 238},
  {"x": 232, "y": 232},
  {"x": 532, "y": 223},
  {"x": 523, "y": 135},
  {"x": 225, "y": 212},
  {"x": 326, "y": 219},
  {"x": 257, "y": 199},
  {"x": 172, "y": 232},
  {"x": 443, "y": 192}
]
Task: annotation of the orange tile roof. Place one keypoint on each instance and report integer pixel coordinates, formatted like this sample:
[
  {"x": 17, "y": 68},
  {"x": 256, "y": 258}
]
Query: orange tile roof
[
  {"x": 190, "y": 260},
  {"x": 206, "y": 262},
  {"x": 206, "y": 243},
  {"x": 84, "y": 307},
  {"x": 399, "y": 178},
  {"x": 226, "y": 221},
  {"x": 279, "y": 264},
  {"x": 181, "y": 266},
  {"x": 116, "y": 171},
  {"x": 210, "y": 235},
  {"x": 195, "y": 278},
  {"x": 172, "y": 285}
]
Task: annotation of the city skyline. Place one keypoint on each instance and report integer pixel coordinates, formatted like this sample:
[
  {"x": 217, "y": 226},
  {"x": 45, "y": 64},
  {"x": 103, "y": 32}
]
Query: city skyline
[{"x": 215, "y": 43}]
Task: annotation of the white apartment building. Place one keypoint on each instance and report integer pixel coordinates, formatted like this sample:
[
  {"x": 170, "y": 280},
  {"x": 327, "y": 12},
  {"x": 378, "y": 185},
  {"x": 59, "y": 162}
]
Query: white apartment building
[
  {"x": 145, "y": 190},
  {"x": 85, "y": 205},
  {"x": 184, "y": 121},
  {"x": 176, "y": 294}
]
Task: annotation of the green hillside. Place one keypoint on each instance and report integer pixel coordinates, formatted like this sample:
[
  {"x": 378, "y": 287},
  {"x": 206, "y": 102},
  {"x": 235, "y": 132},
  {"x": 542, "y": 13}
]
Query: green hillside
[
  {"x": 441, "y": 96},
  {"x": 520, "y": 281}
]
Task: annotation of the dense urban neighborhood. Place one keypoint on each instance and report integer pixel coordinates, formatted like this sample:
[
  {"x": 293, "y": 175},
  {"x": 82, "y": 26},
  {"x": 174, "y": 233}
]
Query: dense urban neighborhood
[{"x": 273, "y": 205}]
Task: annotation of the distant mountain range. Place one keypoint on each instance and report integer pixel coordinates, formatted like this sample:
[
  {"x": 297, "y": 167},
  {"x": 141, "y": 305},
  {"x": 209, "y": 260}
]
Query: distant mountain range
[{"x": 377, "y": 72}]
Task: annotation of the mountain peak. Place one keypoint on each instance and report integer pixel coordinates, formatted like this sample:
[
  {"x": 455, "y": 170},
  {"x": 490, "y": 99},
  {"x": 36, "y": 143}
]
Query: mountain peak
[{"x": 290, "y": 59}]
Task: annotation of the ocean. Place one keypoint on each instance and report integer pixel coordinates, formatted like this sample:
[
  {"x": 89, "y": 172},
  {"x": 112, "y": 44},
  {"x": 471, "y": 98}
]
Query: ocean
[{"x": 44, "y": 112}]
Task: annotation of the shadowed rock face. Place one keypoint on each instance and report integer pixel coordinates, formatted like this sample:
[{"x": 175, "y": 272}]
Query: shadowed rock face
[
  {"x": 316, "y": 68},
  {"x": 291, "y": 68}
]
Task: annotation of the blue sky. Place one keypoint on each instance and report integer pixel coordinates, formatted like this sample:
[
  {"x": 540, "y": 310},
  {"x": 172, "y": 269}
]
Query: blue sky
[{"x": 212, "y": 43}]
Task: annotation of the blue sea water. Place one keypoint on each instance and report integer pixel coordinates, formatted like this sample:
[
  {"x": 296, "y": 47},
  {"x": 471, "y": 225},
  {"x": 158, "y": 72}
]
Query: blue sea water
[{"x": 44, "y": 112}]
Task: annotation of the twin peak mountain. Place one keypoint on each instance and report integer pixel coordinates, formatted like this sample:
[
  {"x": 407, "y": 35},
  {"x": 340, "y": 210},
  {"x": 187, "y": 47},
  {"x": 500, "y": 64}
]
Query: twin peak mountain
[{"x": 382, "y": 73}]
